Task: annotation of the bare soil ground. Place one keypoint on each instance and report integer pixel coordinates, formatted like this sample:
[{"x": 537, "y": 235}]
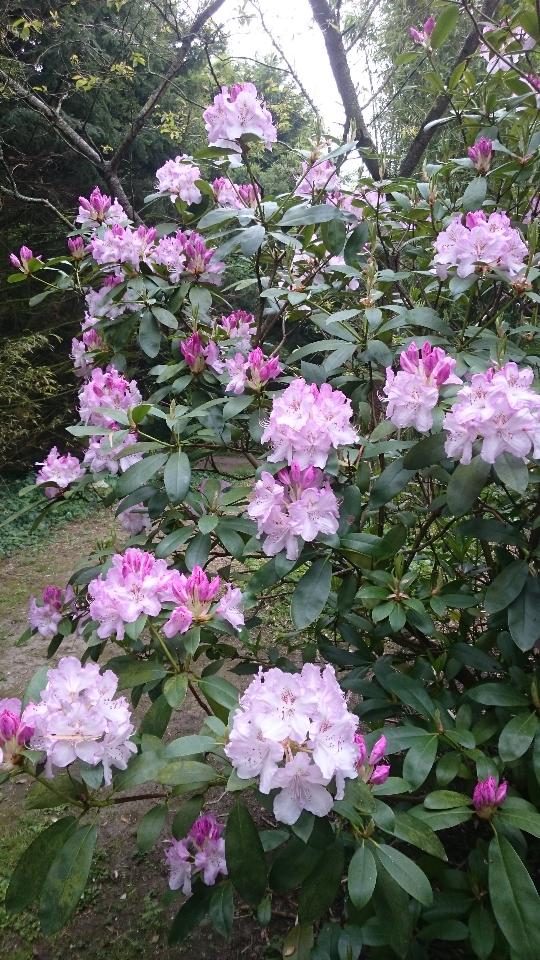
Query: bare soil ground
[{"x": 122, "y": 915}]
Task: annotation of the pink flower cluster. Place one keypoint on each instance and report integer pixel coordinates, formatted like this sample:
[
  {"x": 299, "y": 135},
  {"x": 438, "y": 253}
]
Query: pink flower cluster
[
  {"x": 198, "y": 356},
  {"x": 76, "y": 247},
  {"x": 186, "y": 253},
  {"x": 135, "y": 584},
  {"x": 236, "y": 196},
  {"x": 481, "y": 153},
  {"x": 178, "y": 178},
  {"x": 317, "y": 176},
  {"x": 500, "y": 409},
  {"x": 488, "y": 795},
  {"x": 293, "y": 507},
  {"x": 100, "y": 304},
  {"x": 106, "y": 389},
  {"x": 22, "y": 261},
  {"x": 103, "y": 454},
  {"x": 235, "y": 113},
  {"x": 512, "y": 47},
  {"x": 255, "y": 372},
  {"x": 423, "y": 36},
  {"x": 99, "y": 209},
  {"x": 239, "y": 327},
  {"x": 78, "y": 719},
  {"x": 44, "y": 616},
  {"x": 57, "y": 472},
  {"x": 14, "y": 732},
  {"x": 119, "y": 244},
  {"x": 294, "y": 732},
  {"x": 368, "y": 766},
  {"x": 306, "y": 422},
  {"x": 202, "y": 851},
  {"x": 195, "y": 595},
  {"x": 413, "y": 393},
  {"x": 481, "y": 243},
  {"x": 82, "y": 350}
]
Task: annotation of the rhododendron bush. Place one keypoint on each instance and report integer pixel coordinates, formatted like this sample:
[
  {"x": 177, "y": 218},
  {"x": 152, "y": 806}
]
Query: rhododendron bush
[{"x": 374, "y": 764}]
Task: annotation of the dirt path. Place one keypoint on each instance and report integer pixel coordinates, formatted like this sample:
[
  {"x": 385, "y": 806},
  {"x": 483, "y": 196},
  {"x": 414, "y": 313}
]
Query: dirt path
[{"x": 122, "y": 916}]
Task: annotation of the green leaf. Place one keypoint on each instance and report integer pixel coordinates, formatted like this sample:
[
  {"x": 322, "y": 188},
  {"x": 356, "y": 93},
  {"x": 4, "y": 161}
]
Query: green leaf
[
  {"x": 355, "y": 244},
  {"x": 419, "y": 834},
  {"x": 156, "y": 718},
  {"x": 303, "y": 214},
  {"x": 133, "y": 673},
  {"x": 426, "y": 452},
  {"x": 506, "y": 586},
  {"x": 524, "y": 615},
  {"x": 362, "y": 876},
  {"x": 191, "y": 913},
  {"x": 197, "y": 552},
  {"x": 66, "y": 880},
  {"x": 219, "y": 691},
  {"x": 186, "y": 773},
  {"x": 517, "y": 736},
  {"x": 165, "y": 317},
  {"x": 446, "y": 22},
  {"x": 47, "y": 795},
  {"x": 481, "y": 932},
  {"x": 32, "y": 693},
  {"x": 33, "y": 866},
  {"x": 142, "y": 768},
  {"x": 514, "y": 899},
  {"x": 392, "y": 909},
  {"x": 185, "y": 817},
  {"x": 311, "y": 593},
  {"x": 520, "y": 818},
  {"x": 442, "y": 819},
  {"x": 139, "y": 473},
  {"x": 498, "y": 695},
  {"x": 222, "y": 908},
  {"x": 389, "y": 483},
  {"x": 317, "y": 897},
  {"x": 446, "y": 800},
  {"x": 172, "y": 542},
  {"x": 150, "y": 827},
  {"x": 475, "y": 194},
  {"x": 466, "y": 484},
  {"x": 298, "y": 943},
  {"x": 419, "y": 760},
  {"x": 406, "y": 874},
  {"x": 175, "y": 689},
  {"x": 149, "y": 335},
  {"x": 512, "y": 471},
  {"x": 177, "y": 476},
  {"x": 333, "y": 236},
  {"x": 244, "y": 855}
]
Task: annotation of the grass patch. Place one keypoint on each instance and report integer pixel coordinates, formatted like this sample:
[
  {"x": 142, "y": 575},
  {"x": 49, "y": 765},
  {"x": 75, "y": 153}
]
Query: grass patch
[{"x": 20, "y": 530}]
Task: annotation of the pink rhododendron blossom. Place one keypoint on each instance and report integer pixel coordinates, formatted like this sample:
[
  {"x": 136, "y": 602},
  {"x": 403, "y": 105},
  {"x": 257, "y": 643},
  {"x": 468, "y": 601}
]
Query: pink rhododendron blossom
[
  {"x": 236, "y": 196},
  {"x": 202, "y": 851},
  {"x": 14, "y": 732},
  {"x": 236, "y": 112},
  {"x": 59, "y": 469},
  {"x": 480, "y": 244},
  {"x": 481, "y": 154},
  {"x": 255, "y": 372},
  {"x": 413, "y": 393},
  {"x": 195, "y": 595},
  {"x": 239, "y": 327},
  {"x": 186, "y": 255},
  {"x": 81, "y": 351},
  {"x": 100, "y": 304},
  {"x": 294, "y": 732},
  {"x": 45, "y": 615},
  {"x": 76, "y": 247},
  {"x": 178, "y": 178},
  {"x": 423, "y": 36},
  {"x": 498, "y": 408},
  {"x": 21, "y": 262},
  {"x": 292, "y": 507},
  {"x": 369, "y": 767},
  {"x": 99, "y": 209},
  {"x": 78, "y": 718},
  {"x": 135, "y": 584},
  {"x": 317, "y": 176},
  {"x": 106, "y": 389},
  {"x": 103, "y": 454},
  {"x": 510, "y": 49},
  {"x": 307, "y": 422},
  {"x": 198, "y": 356},
  {"x": 124, "y": 245},
  {"x": 488, "y": 795},
  {"x": 135, "y": 519}
]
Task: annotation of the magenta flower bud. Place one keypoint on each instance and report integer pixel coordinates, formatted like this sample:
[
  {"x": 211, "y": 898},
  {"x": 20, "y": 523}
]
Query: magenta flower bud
[
  {"x": 205, "y": 828},
  {"x": 53, "y": 597},
  {"x": 21, "y": 262},
  {"x": 13, "y": 733},
  {"x": 192, "y": 351},
  {"x": 429, "y": 26},
  {"x": 378, "y": 751},
  {"x": 25, "y": 254},
  {"x": 15, "y": 262},
  {"x": 362, "y": 751},
  {"x": 475, "y": 219},
  {"x": 422, "y": 36},
  {"x": 76, "y": 247},
  {"x": 9, "y": 724},
  {"x": 488, "y": 795},
  {"x": 481, "y": 154},
  {"x": 380, "y": 774}
]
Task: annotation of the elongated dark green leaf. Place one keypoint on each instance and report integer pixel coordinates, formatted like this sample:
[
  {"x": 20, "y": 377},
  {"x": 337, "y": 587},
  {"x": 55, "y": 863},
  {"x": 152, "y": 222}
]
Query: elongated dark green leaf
[
  {"x": 220, "y": 691},
  {"x": 524, "y": 615},
  {"x": 197, "y": 552},
  {"x": 333, "y": 235},
  {"x": 303, "y": 214},
  {"x": 512, "y": 471},
  {"x": 419, "y": 834},
  {"x": 185, "y": 817},
  {"x": 466, "y": 484},
  {"x": 362, "y": 876},
  {"x": 419, "y": 760},
  {"x": 355, "y": 244},
  {"x": 311, "y": 593},
  {"x": 317, "y": 897},
  {"x": 506, "y": 586},
  {"x": 514, "y": 899},
  {"x": 32, "y": 693},
  {"x": 66, "y": 880},
  {"x": 191, "y": 913},
  {"x": 481, "y": 932},
  {"x": 521, "y": 818},
  {"x": 426, "y": 452},
  {"x": 149, "y": 335},
  {"x": 139, "y": 473},
  {"x": 150, "y": 827},
  {"x": 498, "y": 695},
  {"x": 133, "y": 673},
  {"x": 446, "y": 21},
  {"x": 177, "y": 476},
  {"x": 156, "y": 718},
  {"x": 446, "y": 800},
  {"x": 392, "y": 908},
  {"x": 172, "y": 542},
  {"x": 175, "y": 689},
  {"x": 244, "y": 855},
  {"x": 34, "y": 864},
  {"x": 391, "y": 481},
  {"x": 406, "y": 874},
  {"x": 176, "y": 773},
  {"x": 221, "y": 908},
  {"x": 517, "y": 736}
]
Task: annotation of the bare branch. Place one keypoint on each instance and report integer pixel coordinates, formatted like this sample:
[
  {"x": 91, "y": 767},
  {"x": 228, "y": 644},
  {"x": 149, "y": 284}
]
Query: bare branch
[
  {"x": 347, "y": 91},
  {"x": 424, "y": 136}
]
